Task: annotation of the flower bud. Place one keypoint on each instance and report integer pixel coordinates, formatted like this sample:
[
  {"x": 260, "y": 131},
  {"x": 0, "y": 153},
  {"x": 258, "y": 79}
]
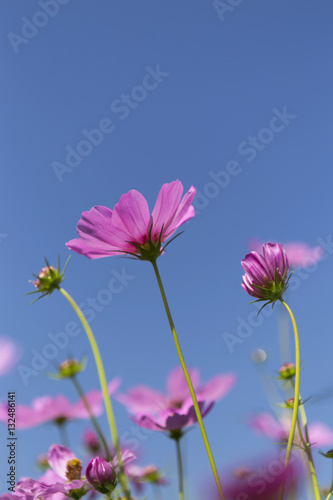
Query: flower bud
[
  {"x": 287, "y": 371},
  {"x": 48, "y": 279},
  {"x": 101, "y": 475},
  {"x": 328, "y": 454},
  {"x": 266, "y": 275}
]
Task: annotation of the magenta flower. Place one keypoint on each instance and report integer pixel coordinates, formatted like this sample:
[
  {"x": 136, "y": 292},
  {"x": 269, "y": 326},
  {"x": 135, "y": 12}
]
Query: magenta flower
[
  {"x": 266, "y": 276},
  {"x": 262, "y": 481},
  {"x": 129, "y": 228},
  {"x": 299, "y": 254},
  {"x": 10, "y": 354},
  {"x": 63, "y": 477},
  {"x": 173, "y": 411},
  {"x": 101, "y": 475},
  {"x": 56, "y": 409},
  {"x": 266, "y": 425}
]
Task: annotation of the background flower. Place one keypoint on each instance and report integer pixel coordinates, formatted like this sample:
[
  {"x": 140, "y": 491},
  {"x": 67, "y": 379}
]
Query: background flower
[
  {"x": 10, "y": 353},
  {"x": 174, "y": 410}
]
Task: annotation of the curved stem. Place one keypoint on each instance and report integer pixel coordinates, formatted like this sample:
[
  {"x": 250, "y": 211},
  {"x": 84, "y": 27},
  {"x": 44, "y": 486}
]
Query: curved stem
[
  {"x": 308, "y": 451},
  {"x": 296, "y": 391},
  {"x": 104, "y": 386},
  {"x": 180, "y": 470},
  {"x": 189, "y": 383},
  {"x": 92, "y": 417}
]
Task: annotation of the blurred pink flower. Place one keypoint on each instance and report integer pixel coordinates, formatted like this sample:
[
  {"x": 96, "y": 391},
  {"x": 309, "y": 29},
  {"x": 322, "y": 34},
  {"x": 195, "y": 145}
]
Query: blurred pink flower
[
  {"x": 261, "y": 481},
  {"x": 139, "y": 476},
  {"x": 267, "y": 425},
  {"x": 52, "y": 409},
  {"x": 299, "y": 254},
  {"x": 10, "y": 353},
  {"x": 64, "y": 475},
  {"x": 129, "y": 228},
  {"x": 174, "y": 410}
]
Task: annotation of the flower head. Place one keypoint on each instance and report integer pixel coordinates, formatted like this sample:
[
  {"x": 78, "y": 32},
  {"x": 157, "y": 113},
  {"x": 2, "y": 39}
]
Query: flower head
[
  {"x": 267, "y": 425},
  {"x": 101, "y": 475},
  {"x": 266, "y": 276},
  {"x": 63, "y": 477},
  {"x": 57, "y": 409},
  {"x": 261, "y": 481},
  {"x": 142, "y": 475},
  {"x": 48, "y": 279},
  {"x": 69, "y": 368},
  {"x": 129, "y": 228},
  {"x": 173, "y": 411},
  {"x": 299, "y": 253},
  {"x": 287, "y": 371}
]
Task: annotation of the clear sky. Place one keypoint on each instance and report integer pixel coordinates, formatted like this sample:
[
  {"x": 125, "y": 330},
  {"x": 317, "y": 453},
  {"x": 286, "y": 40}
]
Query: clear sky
[{"x": 233, "y": 100}]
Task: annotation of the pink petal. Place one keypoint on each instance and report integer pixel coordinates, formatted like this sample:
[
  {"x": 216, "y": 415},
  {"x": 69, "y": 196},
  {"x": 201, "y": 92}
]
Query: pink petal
[
  {"x": 166, "y": 205},
  {"x": 184, "y": 212},
  {"x": 10, "y": 353},
  {"x": 266, "y": 425},
  {"x": 320, "y": 434},
  {"x": 58, "y": 456},
  {"x": 131, "y": 215},
  {"x": 142, "y": 399},
  {"x": 177, "y": 386},
  {"x": 217, "y": 388}
]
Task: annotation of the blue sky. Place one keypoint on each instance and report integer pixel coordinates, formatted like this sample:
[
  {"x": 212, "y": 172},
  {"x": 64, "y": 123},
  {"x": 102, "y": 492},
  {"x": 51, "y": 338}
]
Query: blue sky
[{"x": 237, "y": 104}]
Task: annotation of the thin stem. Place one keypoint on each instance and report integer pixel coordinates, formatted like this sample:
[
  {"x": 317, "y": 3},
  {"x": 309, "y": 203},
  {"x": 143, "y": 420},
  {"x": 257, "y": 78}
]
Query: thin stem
[
  {"x": 189, "y": 383},
  {"x": 180, "y": 470},
  {"x": 104, "y": 386},
  {"x": 296, "y": 391},
  {"x": 308, "y": 451},
  {"x": 92, "y": 416}
]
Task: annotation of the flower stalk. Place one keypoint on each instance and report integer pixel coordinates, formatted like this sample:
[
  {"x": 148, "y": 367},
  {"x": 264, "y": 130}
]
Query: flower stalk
[
  {"x": 189, "y": 383},
  {"x": 93, "y": 419},
  {"x": 296, "y": 389},
  {"x": 104, "y": 387}
]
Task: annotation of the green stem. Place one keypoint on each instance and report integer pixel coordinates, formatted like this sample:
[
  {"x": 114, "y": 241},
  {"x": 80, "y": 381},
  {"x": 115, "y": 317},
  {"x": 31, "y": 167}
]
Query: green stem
[
  {"x": 296, "y": 391},
  {"x": 104, "y": 386},
  {"x": 189, "y": 383},
  {"x": 180, "y": 470},
  {"x": 308, "y": 451},
  {"x": 92, "y": 417}
]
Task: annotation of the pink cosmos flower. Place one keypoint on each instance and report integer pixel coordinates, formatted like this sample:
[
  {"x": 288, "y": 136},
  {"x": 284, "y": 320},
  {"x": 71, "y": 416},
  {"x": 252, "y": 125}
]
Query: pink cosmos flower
[
  {"x": 261, "y": 481},
  {"x": 64, "y": 476},
  {"x": 56, "y": 409},
  {"x": 10, "y": 353},
  {"x": 266, "y": 275},
  {"x": 265, "y": 424},
  {"x": 299, "y": 254},
  {"x": 139, "y": 476},
  {"x": 129, "y": 228},
  {"x": 174, "y": 410}
]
